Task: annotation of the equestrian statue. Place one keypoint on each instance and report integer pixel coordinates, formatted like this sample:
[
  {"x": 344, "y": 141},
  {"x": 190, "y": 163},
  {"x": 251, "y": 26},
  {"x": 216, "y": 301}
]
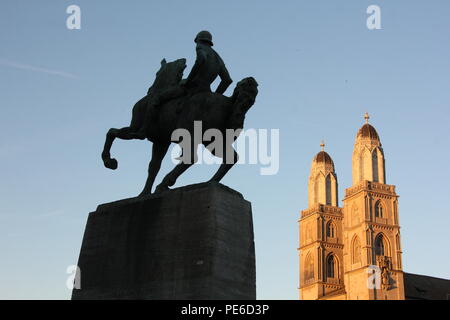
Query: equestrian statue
[{"x": 174, "y": 103}]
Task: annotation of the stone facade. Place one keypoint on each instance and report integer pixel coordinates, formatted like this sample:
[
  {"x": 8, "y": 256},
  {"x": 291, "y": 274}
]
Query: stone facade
[{"x": 351, "y": 252}]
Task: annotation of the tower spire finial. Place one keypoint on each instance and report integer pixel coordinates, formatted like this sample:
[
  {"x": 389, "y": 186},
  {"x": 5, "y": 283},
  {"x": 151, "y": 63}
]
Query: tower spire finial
[
  {"x": 366, "y": 117},
  {"x": 322, "y": 145}
]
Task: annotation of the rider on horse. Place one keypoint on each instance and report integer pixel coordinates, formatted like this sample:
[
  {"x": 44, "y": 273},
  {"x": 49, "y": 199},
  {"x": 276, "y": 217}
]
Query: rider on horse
[{"x": 207, "y": 67}]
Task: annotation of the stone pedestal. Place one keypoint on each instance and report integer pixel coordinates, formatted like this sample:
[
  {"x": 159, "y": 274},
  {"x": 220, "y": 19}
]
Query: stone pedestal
[{"x": 194, "y": 242}]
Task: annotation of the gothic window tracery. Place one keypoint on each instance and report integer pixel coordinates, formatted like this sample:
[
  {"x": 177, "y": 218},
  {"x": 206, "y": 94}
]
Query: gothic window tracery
[
  {"x": 379, "y": 210},
  {"x": 331, "y": 229},
  {"x": 331, "y": 266},
  {"x": 381, "y": 248}
]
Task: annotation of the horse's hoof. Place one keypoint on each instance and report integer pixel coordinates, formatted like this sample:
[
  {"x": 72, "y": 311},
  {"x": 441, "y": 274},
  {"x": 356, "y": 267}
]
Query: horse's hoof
[
  {"x": 111, "y": 164},
  {"x": 144, "y": 192},
  {"x": 161, "y": 188}
]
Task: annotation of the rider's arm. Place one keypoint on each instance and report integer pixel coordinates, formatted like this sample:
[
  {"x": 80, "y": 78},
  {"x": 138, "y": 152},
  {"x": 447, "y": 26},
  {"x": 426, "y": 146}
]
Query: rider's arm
[{"x": 225, "y": 80}]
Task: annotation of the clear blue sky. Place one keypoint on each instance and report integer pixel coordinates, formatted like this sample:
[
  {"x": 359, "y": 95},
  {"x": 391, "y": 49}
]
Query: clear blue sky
[{"x": 319, "y": 69}]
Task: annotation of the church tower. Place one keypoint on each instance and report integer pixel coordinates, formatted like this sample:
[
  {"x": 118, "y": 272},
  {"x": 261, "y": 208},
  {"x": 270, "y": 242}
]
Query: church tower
[
  {"x": 372, "y": 252},
  {"x": 321, "y": 243}
]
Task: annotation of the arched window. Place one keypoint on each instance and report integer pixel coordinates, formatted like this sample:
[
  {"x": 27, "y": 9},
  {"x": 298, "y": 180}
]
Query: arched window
[
  {"x": 331, "y": 230},
  {"x": 380, "y": 246},
  {"x": 375, "y": 165},
  {"x": 309, "y": 268},
  {"x": 328, "y": 190},
  {"x": 330, "y": 266},
  {"x": 379, "y": 210},
  {"x": 356, "y": 250}
]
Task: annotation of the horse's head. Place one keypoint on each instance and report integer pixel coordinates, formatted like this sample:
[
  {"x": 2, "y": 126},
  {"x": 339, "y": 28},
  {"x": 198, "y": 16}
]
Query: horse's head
[
  {"x": 243, "y": 97},
  {"x": 170, "y": 74},
  {"x": 245, "y": 93}
]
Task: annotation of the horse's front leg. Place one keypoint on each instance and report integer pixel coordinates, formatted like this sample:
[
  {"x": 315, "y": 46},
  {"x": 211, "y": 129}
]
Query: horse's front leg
[
  {"x": 159, "y": 150},
  {"x": 106, "y": 155},
  {"x": 125, "y": 133}
]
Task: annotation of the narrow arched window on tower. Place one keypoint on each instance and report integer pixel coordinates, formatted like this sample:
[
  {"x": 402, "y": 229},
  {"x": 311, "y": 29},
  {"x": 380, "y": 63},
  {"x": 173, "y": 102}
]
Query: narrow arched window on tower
[
  {"x": 379, "y": 210},
  {"x": 331, "y": 230},
  {"x": 375, "y": 165},
  {"x": 330, "y": 266},
  {"x": 379, "y": 246},
  {"x": 328, "y": 190}
]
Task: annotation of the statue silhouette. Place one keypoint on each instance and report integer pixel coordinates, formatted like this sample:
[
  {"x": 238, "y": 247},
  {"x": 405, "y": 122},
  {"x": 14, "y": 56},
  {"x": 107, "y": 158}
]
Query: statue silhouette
[{"x": 172, "y": 104}]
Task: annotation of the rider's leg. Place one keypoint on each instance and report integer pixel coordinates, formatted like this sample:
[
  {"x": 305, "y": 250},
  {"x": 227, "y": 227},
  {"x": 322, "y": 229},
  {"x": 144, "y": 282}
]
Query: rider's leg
[{"x": 155, "y": 103}]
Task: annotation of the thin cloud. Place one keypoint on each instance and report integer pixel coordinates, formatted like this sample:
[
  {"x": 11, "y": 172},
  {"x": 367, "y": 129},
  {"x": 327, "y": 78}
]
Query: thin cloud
[
  {"x": 50, "y": 214},
  {"x": 17, "y": 65}
]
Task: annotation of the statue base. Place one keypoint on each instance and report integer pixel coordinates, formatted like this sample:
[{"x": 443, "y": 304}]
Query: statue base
[{"x": 193, "y": 242}]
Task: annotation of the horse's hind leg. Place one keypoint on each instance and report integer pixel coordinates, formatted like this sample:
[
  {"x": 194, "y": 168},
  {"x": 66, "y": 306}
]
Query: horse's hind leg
[
  {"x": 229, "y": 158},
  {"x": 170, "y": 179},
  {"x": 159, "y": 150}
]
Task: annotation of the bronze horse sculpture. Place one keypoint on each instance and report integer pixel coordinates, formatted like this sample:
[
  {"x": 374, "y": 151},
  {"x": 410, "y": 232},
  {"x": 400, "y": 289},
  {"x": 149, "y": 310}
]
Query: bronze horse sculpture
[{"x": 214, "y": 110}]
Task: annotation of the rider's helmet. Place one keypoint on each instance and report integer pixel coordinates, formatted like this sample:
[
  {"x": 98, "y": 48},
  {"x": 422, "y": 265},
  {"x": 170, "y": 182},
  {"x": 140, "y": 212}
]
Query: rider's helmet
[{"x": 204, "y": 36}]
